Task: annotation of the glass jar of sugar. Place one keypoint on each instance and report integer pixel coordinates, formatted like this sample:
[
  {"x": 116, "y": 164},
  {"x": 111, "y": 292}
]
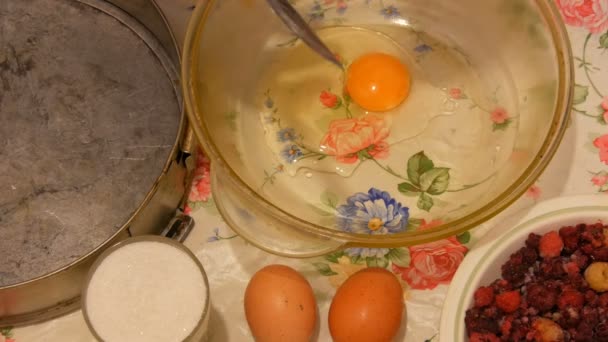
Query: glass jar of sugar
[{"x": 147, "y": 288}]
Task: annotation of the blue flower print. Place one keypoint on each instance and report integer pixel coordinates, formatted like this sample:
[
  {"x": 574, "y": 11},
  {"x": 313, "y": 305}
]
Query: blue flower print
[
  {"x": 341, "y": 7},
  {"x": 286, "y": 134},
  {"x": 422, "y": 48},
  {"x": 291, "y": 153},
  {"x": 390, "y": 12},
  {"x": 374, "y": 212},
  {"x": 316, "y": 12},
  {"x": 269, "y": 103},
  {"x": 367, "y": 252}
]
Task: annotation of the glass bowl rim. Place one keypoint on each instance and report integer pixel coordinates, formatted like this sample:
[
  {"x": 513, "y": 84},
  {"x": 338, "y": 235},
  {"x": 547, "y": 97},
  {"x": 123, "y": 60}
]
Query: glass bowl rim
[{"x": 558, "y": 126}]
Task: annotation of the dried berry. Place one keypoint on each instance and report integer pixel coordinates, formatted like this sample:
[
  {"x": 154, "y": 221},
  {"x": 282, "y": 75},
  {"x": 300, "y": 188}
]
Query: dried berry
[
  {"x": 508, "y": 301},
  {"x": 541, "y": 297},
  {"x": 483, "y": 337},
  {"x": 476, "y": 322},
  {"x": 570, "y": 235},
  {"x": 548, "y": 290},
  {"x": 505, "y": 327},
  {"x": 533, "y": 241},
  {"x": 570, "y": 298},
  {"x": 600, "y": 254},
  {"x": 483, "y": 296},
  {"x": 601, "y": 331},
  {"x": 551, "y": 245}
]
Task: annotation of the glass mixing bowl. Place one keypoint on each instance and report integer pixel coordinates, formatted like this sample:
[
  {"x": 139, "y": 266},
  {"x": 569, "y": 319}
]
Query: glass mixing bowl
[{"x": 300, "y": 170}]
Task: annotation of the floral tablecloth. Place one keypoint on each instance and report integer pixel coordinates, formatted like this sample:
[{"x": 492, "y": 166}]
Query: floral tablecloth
[{"x": 580, "y": 167}]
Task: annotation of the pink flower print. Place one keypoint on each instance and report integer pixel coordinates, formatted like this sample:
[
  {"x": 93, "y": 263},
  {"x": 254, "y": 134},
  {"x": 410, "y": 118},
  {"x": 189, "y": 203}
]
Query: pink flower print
[
  {"x": 455, "y": 93},
  {"x": 329, "y": 99},
  {"x": 602, "y": 144},
  {"x": 8, "y": 339},
  {"x": 591, "y": 14},
  {"x": 432, "y": 264},
  {"x": 599, "y": 180},
  {"x": 534, "y": 192},
  {"x": 499, "y": 115},
  {"x": 347, "y": 137},
  {"x": 605, "y": 103},
  {"x": 341, "y": 6},
  {"x": 200, "y": 190}
]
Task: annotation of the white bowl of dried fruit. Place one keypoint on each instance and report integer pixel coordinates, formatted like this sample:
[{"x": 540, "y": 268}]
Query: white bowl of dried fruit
[{"x": 542, "y": 277}]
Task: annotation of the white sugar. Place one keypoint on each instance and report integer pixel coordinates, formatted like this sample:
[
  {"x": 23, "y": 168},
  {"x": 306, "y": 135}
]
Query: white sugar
[{"x": 146, "y": 291}]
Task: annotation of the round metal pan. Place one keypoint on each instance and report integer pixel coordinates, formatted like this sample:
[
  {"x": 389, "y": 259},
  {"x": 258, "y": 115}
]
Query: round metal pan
[{"x": 93, "y": 142}]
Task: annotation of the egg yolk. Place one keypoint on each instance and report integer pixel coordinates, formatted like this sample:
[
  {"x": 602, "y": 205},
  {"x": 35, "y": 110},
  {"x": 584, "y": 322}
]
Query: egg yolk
[{"x": 377, "y": 82}]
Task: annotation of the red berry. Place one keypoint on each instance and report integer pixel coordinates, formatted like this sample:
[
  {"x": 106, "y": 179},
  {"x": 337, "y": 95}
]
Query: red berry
[
  {"x": 508, "y": 301},
  {"x": 551, "y": 245},
  {"x": 571, "y": 268},
  {"x": 484, "y": 296},
  {"x": 483, "y": 337},
  {"x": 571, "y": 298},
  {"x": 505, "y": 327}
]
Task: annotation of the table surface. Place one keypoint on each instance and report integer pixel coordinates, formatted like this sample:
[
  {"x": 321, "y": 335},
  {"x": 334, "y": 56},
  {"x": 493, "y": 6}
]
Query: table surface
[{"x": 579, "y": 167}]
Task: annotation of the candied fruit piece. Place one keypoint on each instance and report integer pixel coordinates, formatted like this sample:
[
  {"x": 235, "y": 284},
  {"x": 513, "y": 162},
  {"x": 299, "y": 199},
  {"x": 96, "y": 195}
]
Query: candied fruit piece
[
  {"x": 551, "y": 245},
  {"x": 484, "y": 296},
  {"x": 596, "y": 275},
  {"x": 545, "y": 330},
  {"x": 508, "y": 301}
]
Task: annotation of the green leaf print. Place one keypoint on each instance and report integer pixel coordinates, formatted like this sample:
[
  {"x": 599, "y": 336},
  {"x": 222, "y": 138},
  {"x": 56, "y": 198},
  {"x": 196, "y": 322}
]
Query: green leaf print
[
  {"x": 464, "y": 238},
  {"x": 333, "y": 257},
  {"x": 357, "y": 259},
  {"x": 320, "y": 211},
  {"x": 7, "y": 332},
  {"x": 604, "y": 41},
  {"x": 435, "y": 181},
  {"x": 425, "y": 202},
  {"x": 418, "y": 164},
  {"x": 501, "y": 126},
  {"x": 329, "y": 199},
  {"x": 376, "y": 262},
  {"x": 408, "y": 189},
  {"x": 580, "y": 94},
  {"x": 324, "y": 269},
  {"x": 413, "y": 223},
  {"x": 399, "y": 256}
]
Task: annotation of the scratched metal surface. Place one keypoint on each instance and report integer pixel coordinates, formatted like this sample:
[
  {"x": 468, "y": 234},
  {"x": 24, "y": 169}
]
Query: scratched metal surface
[{"x": 88, "y": 117}]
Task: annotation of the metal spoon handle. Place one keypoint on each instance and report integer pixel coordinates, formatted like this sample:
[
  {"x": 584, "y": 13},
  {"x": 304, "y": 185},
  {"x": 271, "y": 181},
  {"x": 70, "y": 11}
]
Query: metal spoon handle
[{"x": 300, "y": 28}]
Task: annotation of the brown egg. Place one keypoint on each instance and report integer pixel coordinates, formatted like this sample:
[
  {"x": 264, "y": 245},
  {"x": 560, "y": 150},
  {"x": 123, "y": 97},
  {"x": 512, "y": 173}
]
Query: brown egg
[
  {"x": 367, "y": 307},
  {"x": 280, "y": 305}
]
